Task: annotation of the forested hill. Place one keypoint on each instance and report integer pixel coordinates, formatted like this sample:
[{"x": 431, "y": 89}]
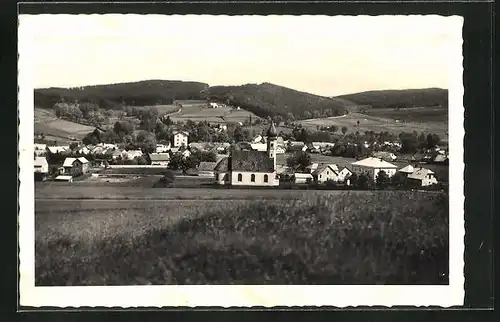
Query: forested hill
[
  {"x": 110, "y": 96},
  {"x": 272, "y": 100},
  {"x": 426, "y": 97}
]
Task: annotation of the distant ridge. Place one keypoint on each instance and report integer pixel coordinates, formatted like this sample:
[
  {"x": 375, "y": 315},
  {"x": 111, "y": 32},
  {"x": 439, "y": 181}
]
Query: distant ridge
[{"x": 407, "y": 98}]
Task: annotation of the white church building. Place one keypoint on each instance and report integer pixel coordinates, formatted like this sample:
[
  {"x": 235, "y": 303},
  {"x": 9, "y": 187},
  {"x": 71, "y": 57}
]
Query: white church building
[{"x": 250, "y": 168}]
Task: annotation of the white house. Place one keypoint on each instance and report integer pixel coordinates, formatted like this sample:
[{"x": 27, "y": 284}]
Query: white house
[
  {"x": 75, "y": 166},
  {"x": 372, "y": 166},
  {"x": 41, "y": 168},
  {"x": 344, "y": 174},
  {"x": 324, "y": 173},
  {"x": 387, "y": 156},
  {"x": 181, "y": 138},
  {"x": 407, "y": 170},
  {"x": 259, "y": 147},
  {"x": 186, "y": 153},
  {"x": 161, "y": 159},
  {"x": 64, "y": 178},
  {"x": 422, "y": 177},
  {"x": 83, "y": 150},
  {"x": 250, "y": 168},
  {"x": 57, "y": 149},
  {"x": 161, "y": 148},
  {"x": 257, "y": 139},
  {"x": 131, "y": 154}
]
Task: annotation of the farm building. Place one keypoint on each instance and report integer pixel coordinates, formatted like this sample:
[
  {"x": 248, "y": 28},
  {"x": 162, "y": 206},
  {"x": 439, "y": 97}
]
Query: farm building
[
  {"x": 250, "y": 168},
  {"x": 75, "y": 166},
  {"x": 40, "y": 149},
  {"x": 422, "y": 177},
  {"x": 302, "y": 178},
  {"x": 180, "y": 138},
  {"x": 324, "y": 173},
  {"x": 41, "y": 168},
  {"x": 372, "y": 166},
  {"x": 160, "y": 159},
  {"x": 64, "y": 178},
  {"x": 206, "y": 169}
]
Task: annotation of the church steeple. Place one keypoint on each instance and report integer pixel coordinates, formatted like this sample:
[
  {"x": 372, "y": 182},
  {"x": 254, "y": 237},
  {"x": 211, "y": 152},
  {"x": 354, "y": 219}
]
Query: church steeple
[{"x": 271, "y": 143}]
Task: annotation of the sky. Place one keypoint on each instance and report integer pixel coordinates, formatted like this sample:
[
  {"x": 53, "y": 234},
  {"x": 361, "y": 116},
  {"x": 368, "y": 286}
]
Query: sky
[{"x": 318, "y": 54}]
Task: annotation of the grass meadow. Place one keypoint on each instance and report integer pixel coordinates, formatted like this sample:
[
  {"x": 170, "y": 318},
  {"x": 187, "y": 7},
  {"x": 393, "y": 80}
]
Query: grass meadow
[{"x": 376, "y": 237}]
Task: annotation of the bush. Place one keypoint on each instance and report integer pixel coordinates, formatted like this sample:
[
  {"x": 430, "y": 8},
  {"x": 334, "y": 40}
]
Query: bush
[{"x": 370, "y": 238}]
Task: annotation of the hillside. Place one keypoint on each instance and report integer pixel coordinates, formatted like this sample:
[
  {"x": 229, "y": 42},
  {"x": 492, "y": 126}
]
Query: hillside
[
  {"x": 272, "y": 100},
  {"x": 426, "y": 97},
  {"x": 111, "y": 96}
]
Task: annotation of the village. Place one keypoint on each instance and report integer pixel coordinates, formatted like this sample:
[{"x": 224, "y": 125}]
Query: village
[{"x": 260, "y": 162}]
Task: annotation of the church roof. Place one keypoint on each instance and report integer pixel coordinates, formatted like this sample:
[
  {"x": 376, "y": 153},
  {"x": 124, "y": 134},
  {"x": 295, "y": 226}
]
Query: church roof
[
  {"x": 272, "y": 131},
  {"x": 254, "y": 161}
]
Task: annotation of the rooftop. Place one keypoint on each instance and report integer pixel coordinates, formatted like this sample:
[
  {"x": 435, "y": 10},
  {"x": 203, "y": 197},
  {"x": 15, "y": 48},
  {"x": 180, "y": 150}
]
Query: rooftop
[{"x": 374, "y": 163}]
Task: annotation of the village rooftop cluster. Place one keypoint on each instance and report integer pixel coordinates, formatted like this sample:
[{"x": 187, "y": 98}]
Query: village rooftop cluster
[{"x": 243, "y": 164}]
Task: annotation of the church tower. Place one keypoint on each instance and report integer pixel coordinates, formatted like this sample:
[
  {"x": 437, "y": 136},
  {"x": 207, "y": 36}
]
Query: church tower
[{"x": 271, "y": 143}]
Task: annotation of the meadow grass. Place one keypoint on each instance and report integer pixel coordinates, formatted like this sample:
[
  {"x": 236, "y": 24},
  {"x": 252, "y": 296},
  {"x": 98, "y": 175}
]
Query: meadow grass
[{"x": 355, "y": 238}]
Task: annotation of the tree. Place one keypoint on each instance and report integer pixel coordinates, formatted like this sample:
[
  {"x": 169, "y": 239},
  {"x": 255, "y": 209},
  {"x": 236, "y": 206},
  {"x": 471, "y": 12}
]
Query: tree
[
  {"x": 300, "y": 160},
  {"x": 344, "y": 130},
  {"x": 148, "y": 118},
  {"x": 334, "y": 128},
  {"x": 364, "y": 181},
  {"x": 432, "y": 140},
  {"x": 382, "y": 179},
  {"x": 147, "y": 141},
  {"x": 398, "y": 180}
]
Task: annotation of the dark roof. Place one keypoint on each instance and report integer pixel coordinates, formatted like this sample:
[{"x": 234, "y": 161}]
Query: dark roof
[
  {"x": 207, "y": 166},
  {"x": 223, "y": 165},
  {"x": 159, "y": 156},
  {"x": 251, "y": 161},
  {"x": 255, "y": 161},
  {"x": 271, "y": 132}
]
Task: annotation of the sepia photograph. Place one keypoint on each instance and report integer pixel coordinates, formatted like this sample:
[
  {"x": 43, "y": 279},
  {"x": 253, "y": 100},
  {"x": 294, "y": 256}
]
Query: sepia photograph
[{"x": 199, "y": 160}]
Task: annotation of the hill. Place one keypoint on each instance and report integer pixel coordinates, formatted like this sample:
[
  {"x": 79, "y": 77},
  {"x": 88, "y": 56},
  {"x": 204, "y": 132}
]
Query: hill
[
  {"x": 426, "y": 97},
  {"x": 150, "y": 92},
  {"x": 272, "y": 100}
]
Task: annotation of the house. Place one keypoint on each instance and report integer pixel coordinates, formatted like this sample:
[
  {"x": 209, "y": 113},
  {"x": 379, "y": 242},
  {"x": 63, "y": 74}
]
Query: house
[
  {"x": 259, "y": 147},
  {"x": 294, "y": 146},
  {"x": 64, "y": 178},
  {"x": 344, "y": 174},
  {"x": 312, "y": 167},
  {"x": 186, "y": 153},
  {"x": 41, "y": 168},
  {"x": 206, "y": 169},
  {"x": 302, "y": 178},
  {"x": 386, "y": 156},
  {"x": 257, "y": 139},
  {"x": 131, "y": 154},
  {"x": 75, "y": 166},
  {"x": 325, "y": 173},
  {"x": 441, "y": 158},
  {"x": 40, "y": 149},
  {"x": 83, "y": 150},
  {"x": 422, "y": 177},
  {"x": 372, "y": 166},
  {"x": 249, "y": 168},
  {"x": 407, "y": 170},
  {"x": 199, "y": 146},
  {"x": 160, "y": 158},
  {"x": 160, "y": 148},
  {"x": 180, "y": 138}
]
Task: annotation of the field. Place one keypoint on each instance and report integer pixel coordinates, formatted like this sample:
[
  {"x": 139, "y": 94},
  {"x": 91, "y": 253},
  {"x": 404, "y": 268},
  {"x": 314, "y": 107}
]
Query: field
[
  {"x": 50, "y": 125},
  {"x": 199, "y": 112},
  {"x": 162, "y": 109},
  {"x": 288, "y": 238},
  {"x": 414, "y": 114},
  {"x": 378, "y": 124}
]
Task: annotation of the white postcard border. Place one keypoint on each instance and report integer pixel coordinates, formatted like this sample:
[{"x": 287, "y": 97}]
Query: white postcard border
[{"x": 238, "y": 296}]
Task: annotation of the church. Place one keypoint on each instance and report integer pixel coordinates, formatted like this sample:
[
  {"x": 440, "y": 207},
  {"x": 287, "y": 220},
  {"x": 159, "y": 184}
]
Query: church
[{"x": 250, "y": 168}]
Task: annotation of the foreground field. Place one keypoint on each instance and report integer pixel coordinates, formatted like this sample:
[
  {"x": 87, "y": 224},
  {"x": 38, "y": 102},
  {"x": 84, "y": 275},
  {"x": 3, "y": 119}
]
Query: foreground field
[{"x": 349, "y": 238}]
